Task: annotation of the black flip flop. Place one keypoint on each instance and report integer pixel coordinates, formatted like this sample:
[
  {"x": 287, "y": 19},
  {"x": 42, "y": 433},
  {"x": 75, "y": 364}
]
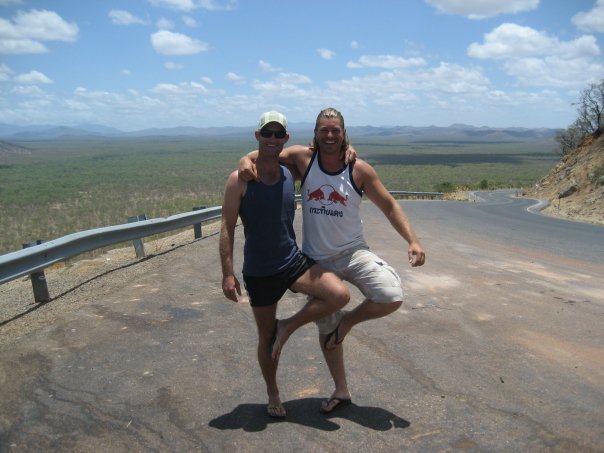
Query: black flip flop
[
  {"x": 341, "y": 402},
  {"x": 273, "y": 406},
  {"x": 328, "y": 337},
  {"x": 273, "y": 338}
]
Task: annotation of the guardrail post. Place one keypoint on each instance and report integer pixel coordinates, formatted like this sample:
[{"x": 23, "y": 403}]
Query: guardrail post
[
  {"x": 38, "y": 279},
  {"x": 197, "y": 226},
  {"x": 139, "y": 246}
]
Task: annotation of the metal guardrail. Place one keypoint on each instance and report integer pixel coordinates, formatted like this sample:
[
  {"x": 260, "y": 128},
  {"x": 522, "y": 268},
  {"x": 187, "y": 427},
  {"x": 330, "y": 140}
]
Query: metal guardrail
[
  {"x": 417, "y": 194},
  {"x": 27, "y": 261},
  {"x": 35, "y": 258}
]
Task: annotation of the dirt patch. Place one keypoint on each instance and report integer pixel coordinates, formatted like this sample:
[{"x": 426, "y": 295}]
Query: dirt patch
[{"x": 574, "y": 188}]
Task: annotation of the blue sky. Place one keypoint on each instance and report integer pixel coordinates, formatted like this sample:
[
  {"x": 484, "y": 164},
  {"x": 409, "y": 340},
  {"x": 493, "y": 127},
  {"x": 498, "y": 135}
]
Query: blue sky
[{"x": 136, "y": 64}]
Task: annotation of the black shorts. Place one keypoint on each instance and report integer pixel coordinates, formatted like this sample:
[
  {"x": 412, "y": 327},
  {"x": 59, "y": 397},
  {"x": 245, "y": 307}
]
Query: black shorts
[{"x": 265, "y": 291}]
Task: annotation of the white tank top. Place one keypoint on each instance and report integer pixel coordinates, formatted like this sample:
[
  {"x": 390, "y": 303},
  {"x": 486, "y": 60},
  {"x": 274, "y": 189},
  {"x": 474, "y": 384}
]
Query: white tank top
[{"x": 331, "y": 217}]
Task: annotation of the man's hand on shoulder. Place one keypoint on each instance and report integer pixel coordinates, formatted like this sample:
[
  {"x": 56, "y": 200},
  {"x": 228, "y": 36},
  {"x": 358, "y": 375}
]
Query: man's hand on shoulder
[{"x": 247, "y": 167}]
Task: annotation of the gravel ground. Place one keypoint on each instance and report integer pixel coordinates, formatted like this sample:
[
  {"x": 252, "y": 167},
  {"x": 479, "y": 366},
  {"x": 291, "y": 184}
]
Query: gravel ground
[{"x": 19, "y": 313}]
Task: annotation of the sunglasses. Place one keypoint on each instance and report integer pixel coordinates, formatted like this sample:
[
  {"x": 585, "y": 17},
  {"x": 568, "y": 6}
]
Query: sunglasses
[{"x": 269, "y": 134}]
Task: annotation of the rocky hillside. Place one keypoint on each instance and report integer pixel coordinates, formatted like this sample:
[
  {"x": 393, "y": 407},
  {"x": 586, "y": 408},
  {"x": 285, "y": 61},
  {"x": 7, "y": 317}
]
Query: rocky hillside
[{"x": 575, "y": 187}]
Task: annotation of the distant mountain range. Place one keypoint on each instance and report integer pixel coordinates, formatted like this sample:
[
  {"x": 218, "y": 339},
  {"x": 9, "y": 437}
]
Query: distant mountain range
[{"x": 453, "y": 132}]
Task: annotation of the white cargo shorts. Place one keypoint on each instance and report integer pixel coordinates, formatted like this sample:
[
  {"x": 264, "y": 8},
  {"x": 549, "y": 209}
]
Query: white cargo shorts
[{"x": 377, "y": 280}]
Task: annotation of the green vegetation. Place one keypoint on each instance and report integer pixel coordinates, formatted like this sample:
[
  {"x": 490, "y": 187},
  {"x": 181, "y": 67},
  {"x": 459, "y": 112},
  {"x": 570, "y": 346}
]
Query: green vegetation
[
  {"x": 446, "y": 187},
  {"x": 450, "y": 166},
  {"x": 74, "y": 185}
]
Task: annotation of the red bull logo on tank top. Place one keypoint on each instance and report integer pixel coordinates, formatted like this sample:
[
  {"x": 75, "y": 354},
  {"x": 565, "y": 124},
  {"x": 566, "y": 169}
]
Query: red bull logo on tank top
[{"x": 323, "y": 196}]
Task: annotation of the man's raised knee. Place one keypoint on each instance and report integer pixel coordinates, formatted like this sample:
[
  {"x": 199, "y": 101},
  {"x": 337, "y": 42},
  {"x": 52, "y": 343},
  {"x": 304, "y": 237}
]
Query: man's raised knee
[{"x": 342, "y": 297}]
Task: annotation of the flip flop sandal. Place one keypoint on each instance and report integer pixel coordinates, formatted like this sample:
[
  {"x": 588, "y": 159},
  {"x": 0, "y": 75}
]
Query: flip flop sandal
[
  {"x": 340, "y": 402},
  {"x": 273, "y": 410},
  {"x": 329, "y": 336},
  {"x": 273, "y": 340}
]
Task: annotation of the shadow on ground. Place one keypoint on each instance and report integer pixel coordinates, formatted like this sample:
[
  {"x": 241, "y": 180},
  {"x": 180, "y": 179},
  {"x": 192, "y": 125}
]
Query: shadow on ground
[{"x": 253, "y": 417}]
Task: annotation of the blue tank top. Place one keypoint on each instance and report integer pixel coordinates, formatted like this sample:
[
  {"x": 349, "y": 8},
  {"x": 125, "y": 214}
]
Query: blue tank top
[{"x": 267, "y": 214}]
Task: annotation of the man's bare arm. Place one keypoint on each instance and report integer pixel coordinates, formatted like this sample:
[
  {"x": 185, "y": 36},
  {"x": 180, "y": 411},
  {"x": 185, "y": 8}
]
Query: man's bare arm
[
  {"x": 230, "y": 213},
  {"x": 373, "y": 187},
  {"x": 294, "y": 157}
]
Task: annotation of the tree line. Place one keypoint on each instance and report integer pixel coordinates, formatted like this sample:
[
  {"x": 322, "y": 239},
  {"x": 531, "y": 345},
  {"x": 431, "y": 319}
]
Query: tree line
[{"x": 590, "y": 121}]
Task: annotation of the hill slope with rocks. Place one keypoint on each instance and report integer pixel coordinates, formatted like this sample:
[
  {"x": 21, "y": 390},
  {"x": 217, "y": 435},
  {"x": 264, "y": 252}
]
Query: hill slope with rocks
[{"x": 575, "y": 186}]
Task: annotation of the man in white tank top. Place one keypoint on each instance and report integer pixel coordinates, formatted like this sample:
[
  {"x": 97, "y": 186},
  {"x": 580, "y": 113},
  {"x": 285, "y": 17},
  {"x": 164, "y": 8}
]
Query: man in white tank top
[
  {"x": 333, "y": 235},
  {"x": 272, "y": 261}
]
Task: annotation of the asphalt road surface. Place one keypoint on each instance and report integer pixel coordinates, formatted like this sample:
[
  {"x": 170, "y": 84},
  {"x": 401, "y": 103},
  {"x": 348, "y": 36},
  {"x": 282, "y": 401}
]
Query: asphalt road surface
[{"x": 498, "y": 347}]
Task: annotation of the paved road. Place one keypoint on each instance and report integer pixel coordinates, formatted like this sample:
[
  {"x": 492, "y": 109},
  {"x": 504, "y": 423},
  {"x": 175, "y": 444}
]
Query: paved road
[
  {"x": 511, "y": 220},
  {"x": 499, "y": 347}
]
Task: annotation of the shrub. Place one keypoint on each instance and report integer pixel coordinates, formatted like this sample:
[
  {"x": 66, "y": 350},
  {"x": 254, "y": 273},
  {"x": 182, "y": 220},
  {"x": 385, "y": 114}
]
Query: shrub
[{"x": 446, "y": 187}]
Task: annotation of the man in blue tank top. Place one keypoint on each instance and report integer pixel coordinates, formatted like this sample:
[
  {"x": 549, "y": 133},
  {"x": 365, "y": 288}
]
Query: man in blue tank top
[
  {"x": 332, "y": 191},
  {"x": 272, "y": 262}
]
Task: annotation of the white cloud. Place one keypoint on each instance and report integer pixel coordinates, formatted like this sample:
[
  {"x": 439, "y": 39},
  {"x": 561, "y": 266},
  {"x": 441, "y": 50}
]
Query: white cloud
[
  {"x": 188, "y": 88},
  {"x": 592, "y": 20},
  {"x": 164, "y": 24},
  {"x": 120, "y": 17},
  {"x": 125, "y": 72},
  {"x": 536, "y": 58},
  {"x": 385, "y": 61},
  {"x": 180, "y": 5},
  {"x": 354, "y": 45},
  {"x": 42, "y": 25},
  {"x": 207, "y": 80},
  {"x": 326, "y": 54},
  {"x": 444, "y": 85},
  {"x": 293, "y": 78},
  {"x": 453, "y": 78},
  {"x": 515, "y": 41},
  {"x": 554, "y": 71},
  {"x": 511, "y": 40},
  {"x": 396, "y": 99},
  {"x": 190, "y": 5},
  {"x": 189, "y": 21},
  {"x": 172, "y": 65},
  {"x": 72, "y": 104},
  {"x": 285, "y": 84},
  {"x": 231, "y": 76},
  {"x": 28, "y": 90},
  {"x": 267, "y": 67},
  {"x": 168, "y": 43},
  {"x": 85, "y": 93},
  {"x": 5, "y": 72},
  {"x": 32, "y": 78},
  {"x": 480, "y": 9},
  {"x": 213, "y": 5},
  {"x": 21, "y": 46},
  {"x": 24, "y": 33}
]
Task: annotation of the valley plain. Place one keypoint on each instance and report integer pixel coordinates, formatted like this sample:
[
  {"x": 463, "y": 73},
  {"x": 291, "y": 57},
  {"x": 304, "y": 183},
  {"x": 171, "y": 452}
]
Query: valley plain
[{"x": 51, "y": 188}]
